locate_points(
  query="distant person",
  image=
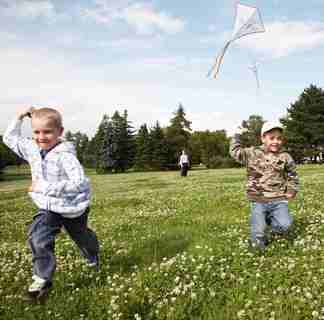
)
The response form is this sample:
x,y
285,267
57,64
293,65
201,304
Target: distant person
x,y
184,164
59,189
271,181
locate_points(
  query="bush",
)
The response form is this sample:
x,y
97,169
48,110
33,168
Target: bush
x,y
222,163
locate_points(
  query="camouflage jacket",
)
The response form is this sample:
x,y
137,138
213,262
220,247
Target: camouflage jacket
x,y
269,175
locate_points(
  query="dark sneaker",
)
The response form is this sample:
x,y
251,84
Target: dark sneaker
x,y
94,263
257,246
290,235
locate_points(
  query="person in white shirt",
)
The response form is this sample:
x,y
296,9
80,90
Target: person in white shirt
x,y
184,164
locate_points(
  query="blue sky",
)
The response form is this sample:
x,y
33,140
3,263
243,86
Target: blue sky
x,y
93,57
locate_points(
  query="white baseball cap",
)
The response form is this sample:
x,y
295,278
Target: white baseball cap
x,y
269,125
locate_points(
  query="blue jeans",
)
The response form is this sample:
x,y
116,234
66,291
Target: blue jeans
x,y
41,236
275,214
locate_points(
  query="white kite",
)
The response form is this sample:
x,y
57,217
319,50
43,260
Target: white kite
x,y
248,20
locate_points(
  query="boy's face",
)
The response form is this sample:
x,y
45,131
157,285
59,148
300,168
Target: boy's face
x,y
273,140
45,133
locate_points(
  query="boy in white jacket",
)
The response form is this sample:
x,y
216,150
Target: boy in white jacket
x,y
59,189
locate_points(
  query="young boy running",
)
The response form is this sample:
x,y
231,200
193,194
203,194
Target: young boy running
x,y
271,181
59,189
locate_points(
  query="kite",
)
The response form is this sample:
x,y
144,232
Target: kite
x,y
254,69
248,20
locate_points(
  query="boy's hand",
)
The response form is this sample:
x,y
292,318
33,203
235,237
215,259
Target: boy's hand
x,y
27,113
290,195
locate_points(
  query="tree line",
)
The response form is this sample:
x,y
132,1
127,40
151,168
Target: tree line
x,y
117,147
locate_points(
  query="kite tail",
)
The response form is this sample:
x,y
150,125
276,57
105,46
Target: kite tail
x,y
215,68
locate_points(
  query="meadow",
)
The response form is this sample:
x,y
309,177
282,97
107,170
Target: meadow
x,y
171,248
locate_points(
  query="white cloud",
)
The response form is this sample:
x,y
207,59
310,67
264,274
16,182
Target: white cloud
x,y
7,36
212,28
143,17
43,78
205,120
285,37
128,43
29,9
39,77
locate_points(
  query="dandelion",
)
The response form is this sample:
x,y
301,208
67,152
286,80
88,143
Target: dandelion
x,y
308,295
241,313
212,293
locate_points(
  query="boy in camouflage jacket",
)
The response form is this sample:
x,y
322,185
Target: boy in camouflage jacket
x,y
271,181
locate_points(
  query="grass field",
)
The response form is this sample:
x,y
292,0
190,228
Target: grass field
x,y
171,248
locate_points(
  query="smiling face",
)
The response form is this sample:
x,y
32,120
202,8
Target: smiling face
x,y
45,132
273,140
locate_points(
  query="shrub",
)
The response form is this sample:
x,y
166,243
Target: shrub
x,y
222,162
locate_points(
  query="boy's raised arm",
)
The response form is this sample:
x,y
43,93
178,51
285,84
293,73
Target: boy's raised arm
x,y
13,138
237,152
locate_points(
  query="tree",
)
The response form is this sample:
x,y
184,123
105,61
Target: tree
x,y
304,124
123,140
177,135
8,157
102,145
80,142
143,157
69,136
253,136
3,155
108,147
210,148
159,147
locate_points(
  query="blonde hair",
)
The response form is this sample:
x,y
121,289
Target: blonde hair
x,y
49,114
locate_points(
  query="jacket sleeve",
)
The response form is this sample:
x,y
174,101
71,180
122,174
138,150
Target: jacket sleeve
x,y
75,183
292,176
15,141
237,152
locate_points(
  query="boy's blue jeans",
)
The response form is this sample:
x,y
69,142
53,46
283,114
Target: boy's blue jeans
x,y
275,213
41,236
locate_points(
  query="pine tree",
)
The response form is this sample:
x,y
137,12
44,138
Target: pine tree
x,y
103,143
89,156
108,148
304,124
80,142
178,135
129,140
123,141
143,157
159,147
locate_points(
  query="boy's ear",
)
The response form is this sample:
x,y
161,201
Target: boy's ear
x,y
61,131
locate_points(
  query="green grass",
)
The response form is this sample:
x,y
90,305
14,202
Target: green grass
x,y
171,248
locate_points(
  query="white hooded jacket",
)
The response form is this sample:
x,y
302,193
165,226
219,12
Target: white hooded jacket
x,y
61,185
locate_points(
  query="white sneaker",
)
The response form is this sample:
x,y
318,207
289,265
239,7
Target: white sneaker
x,y
37,285
38,290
